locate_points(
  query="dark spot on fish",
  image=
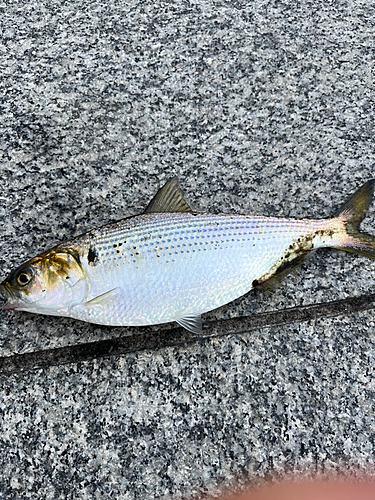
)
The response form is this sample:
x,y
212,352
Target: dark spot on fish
x,y
114,245
325,232
119,244
117,251
66,277
92,256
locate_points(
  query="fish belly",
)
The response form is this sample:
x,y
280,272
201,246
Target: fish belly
x,y
156,268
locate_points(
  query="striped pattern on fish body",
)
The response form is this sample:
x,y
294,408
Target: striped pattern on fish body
x,y
170,264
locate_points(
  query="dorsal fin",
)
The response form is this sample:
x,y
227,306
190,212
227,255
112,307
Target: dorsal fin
x,y
168,199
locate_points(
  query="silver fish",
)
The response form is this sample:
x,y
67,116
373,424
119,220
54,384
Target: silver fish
x,y
171,264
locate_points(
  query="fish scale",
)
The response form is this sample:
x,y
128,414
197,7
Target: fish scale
x,y
171,264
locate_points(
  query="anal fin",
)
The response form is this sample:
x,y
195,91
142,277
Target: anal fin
x,y
274,281
192,322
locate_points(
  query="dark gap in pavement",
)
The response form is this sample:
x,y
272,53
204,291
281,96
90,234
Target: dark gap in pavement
x,y
179,336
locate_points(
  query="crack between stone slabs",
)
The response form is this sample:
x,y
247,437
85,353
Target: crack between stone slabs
x,y
174,337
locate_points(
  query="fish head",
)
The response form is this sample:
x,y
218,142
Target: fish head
x,y
51,283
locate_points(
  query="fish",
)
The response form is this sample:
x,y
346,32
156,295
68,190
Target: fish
x,y
171,264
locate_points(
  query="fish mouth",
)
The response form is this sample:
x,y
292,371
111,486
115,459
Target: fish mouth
x,y
9,306
15,305
4,293
11,303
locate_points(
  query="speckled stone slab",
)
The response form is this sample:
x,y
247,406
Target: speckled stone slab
x,y
181,421
258,107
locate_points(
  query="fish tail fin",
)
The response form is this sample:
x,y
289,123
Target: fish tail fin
x,y
352,214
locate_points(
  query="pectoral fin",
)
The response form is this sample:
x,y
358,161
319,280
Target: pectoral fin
x,y
103,299
191,322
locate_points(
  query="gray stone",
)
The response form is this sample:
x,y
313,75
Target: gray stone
x,y
264,108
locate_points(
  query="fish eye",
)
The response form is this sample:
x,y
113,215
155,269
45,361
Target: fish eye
x,y
24,277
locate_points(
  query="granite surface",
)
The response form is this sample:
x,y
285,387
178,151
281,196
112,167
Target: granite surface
x,y
263,107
